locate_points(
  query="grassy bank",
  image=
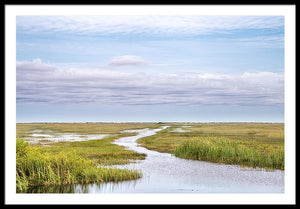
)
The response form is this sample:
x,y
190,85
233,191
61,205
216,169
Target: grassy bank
x,y
101,152
62,163
247,144
38,167
224,150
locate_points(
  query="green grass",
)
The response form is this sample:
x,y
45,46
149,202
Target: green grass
x,y
36,167
257,144
224,150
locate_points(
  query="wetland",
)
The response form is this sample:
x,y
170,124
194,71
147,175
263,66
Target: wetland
x,y
150,158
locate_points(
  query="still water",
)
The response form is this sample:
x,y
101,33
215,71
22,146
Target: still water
x,y
165,173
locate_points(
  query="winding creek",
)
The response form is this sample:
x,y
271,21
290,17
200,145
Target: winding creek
x,y
165,173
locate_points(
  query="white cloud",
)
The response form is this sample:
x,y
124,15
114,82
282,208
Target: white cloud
x,y
39,82
145,24
127,60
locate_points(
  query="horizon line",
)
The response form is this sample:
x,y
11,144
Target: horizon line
x,y
159,122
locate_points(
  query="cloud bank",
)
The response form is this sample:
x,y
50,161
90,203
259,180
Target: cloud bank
x,y
38,82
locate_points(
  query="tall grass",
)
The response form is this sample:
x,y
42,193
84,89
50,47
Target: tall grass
x,y
224,150
35,168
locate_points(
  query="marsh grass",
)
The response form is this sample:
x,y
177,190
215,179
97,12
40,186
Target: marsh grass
x,y
40,168
66,162
224,150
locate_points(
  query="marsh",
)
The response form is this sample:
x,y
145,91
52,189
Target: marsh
x,y
148,151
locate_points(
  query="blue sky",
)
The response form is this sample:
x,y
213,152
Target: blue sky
x,y
150,68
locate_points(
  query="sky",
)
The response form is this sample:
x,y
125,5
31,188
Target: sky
x,y
150,68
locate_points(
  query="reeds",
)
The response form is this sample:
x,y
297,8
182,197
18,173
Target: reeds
x,y
224,150
36,168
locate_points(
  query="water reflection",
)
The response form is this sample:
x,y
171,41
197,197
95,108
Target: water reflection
x,y
52,189
108,187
